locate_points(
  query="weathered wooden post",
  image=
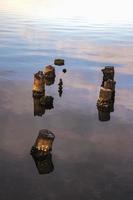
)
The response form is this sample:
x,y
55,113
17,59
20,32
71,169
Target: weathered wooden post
x,y
105,103
38,86
43,143
49,74
103,110
110,84
41,151
108,73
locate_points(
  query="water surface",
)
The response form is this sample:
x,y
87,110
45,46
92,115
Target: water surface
x,y
92,159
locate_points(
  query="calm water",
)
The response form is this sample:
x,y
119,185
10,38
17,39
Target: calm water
x,y
92,160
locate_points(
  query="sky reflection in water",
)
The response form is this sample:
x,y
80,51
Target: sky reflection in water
x,y
92,159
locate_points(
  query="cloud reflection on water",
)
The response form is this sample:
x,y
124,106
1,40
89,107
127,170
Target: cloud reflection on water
x,y
99,51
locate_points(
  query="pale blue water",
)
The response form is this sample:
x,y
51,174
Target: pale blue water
x,y
92,159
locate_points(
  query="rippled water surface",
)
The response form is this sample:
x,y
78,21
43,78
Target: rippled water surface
x,y
92,160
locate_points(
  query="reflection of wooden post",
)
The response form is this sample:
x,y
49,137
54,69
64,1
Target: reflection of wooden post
x,y
104,116
44,164
60,89
39,110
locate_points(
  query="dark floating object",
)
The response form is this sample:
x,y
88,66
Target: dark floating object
x,y
38,86
60,82
59,62
105,103
64,70
60,93
43,143
41,151
44,164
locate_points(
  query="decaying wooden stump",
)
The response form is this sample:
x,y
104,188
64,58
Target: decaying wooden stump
x,y
109,84
105,94
108,73
49,74
43,143
38,86
105,103
49,71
